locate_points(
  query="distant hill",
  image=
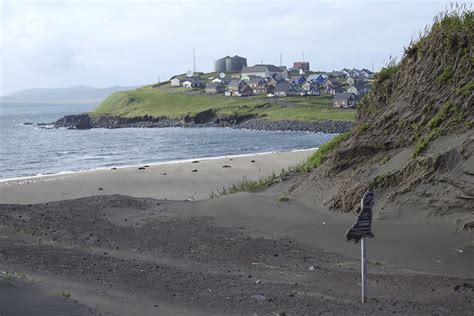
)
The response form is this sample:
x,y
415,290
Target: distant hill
x,y
77,94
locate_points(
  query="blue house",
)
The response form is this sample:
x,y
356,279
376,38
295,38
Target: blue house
x,y
297,80
317,79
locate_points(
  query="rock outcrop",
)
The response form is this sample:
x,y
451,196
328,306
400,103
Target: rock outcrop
x,y
83,121
78,121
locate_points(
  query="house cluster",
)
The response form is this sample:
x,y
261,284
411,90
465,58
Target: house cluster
x,y
236,79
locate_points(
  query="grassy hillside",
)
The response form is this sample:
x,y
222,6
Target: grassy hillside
x,y
175,103
413,139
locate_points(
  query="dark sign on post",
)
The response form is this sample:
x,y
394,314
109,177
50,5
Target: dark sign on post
x,y
362,228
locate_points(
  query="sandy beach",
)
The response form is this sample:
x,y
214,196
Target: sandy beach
x,y
149,244
193,179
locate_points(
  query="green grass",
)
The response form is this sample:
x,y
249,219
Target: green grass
x,y
9,275
446,75
317,158
263,183
283,198
247,185
175,103
467,89
387,72
444,111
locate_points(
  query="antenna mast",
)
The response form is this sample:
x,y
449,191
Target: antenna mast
x,y
194,60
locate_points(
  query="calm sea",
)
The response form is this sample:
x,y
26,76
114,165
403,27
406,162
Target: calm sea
x,y
26,150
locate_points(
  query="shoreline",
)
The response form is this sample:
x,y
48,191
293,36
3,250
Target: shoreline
x,y
190,179
85,121
151,164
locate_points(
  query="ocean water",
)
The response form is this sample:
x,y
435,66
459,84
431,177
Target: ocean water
x,y
26,150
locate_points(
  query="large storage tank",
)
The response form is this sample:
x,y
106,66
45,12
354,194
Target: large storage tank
x,y
236,63
230,64
220,64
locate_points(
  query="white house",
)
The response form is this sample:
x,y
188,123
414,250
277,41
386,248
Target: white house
x,y
187,84
352,89
175,82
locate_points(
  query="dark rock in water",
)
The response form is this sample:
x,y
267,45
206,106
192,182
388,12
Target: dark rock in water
x,y
78,121
141,168
252,160
27,123
226,166
194,170
100,189
196,161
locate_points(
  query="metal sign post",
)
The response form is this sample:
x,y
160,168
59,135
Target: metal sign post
x,y
363,269
361,230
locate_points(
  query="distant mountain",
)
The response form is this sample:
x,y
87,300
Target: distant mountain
x,y
73,95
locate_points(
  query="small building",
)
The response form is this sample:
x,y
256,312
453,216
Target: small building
x,y
367,73
272,82
347,72
264,71
307,85
352,89
282,90
297,80
303,65
317,79
332,86
214,88
225,81
238,88
344,100
350,80
193,83
259,85
175,82
314,91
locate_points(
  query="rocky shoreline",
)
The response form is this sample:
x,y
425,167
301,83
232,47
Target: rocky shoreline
x,y
84,121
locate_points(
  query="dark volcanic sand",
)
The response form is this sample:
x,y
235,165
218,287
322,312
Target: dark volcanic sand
x,y
127,256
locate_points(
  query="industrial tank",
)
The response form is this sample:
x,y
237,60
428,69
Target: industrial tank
x,y
220,64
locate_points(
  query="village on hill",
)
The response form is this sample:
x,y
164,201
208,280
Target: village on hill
x,y
233,78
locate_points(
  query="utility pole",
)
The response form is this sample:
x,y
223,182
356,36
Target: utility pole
x,y
194,60
281,64
372,66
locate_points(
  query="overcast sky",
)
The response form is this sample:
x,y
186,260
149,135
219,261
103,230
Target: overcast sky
x,y
103,43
